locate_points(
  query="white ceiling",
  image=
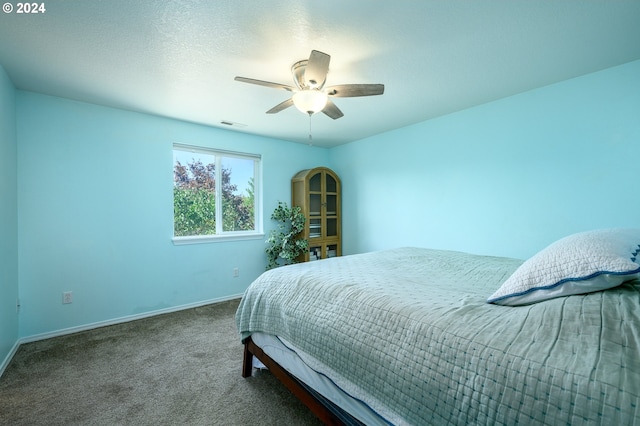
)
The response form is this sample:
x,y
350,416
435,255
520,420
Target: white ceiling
x,y
179,58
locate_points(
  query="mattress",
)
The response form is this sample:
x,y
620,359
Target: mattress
x,y
409,333
292,359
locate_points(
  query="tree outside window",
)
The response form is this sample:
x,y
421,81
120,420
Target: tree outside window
x,y
201,206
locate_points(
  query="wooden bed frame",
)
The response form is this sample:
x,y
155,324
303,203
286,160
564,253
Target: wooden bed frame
x,y
328,413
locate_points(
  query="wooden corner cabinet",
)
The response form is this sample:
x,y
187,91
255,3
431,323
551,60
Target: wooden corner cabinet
x,y
317,193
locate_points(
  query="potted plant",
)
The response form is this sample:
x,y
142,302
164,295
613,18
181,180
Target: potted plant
x,y
283,246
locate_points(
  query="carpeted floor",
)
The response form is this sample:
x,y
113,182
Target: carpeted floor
x,y
182,368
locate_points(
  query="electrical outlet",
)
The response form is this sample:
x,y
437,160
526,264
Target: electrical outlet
x,y
67,297
236,272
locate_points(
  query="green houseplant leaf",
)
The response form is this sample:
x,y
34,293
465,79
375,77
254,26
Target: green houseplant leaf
x,y
283,244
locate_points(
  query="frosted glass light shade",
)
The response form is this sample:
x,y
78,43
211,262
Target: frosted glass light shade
x,y
310,101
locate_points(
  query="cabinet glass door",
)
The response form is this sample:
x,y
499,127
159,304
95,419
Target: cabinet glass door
x,y
331,184
315,204
315,228
315,207
315,182
315,253
331,206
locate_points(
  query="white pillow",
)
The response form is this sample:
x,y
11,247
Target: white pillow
x,y
580,263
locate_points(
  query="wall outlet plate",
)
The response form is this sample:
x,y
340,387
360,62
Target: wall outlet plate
x,y
67,297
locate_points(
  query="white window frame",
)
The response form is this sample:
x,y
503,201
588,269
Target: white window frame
x,y
221,235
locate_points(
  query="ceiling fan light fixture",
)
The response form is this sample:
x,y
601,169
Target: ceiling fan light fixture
x,y
309,76
310,101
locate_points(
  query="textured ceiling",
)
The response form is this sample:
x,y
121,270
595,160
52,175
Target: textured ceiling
x,y
179,58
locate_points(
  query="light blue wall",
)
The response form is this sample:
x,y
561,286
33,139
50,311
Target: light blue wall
x,y
96,213
505,178
94,193
8,219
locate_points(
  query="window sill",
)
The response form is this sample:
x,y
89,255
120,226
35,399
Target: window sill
x,y
203,239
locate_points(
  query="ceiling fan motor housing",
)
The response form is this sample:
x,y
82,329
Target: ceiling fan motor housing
x,y
298,70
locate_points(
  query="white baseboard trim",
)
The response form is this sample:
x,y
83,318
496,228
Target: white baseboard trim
x,y
71,330
9,357
86,327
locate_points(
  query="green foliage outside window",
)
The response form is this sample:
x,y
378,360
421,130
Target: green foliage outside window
x,y
194,201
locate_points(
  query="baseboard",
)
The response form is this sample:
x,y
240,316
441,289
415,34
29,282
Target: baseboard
x,y
86,327
9,357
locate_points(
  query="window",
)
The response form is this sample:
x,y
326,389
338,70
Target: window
x,y
205,211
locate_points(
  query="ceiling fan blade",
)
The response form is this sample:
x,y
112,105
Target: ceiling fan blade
x,y
354,90
317,68
332,110
282,105
265,83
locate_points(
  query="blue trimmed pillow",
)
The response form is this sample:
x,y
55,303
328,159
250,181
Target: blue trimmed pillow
x,y
577,264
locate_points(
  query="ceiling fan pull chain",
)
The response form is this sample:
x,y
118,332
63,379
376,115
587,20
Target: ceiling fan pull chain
x,y
310,137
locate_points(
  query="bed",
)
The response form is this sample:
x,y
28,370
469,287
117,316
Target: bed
x,y
421,336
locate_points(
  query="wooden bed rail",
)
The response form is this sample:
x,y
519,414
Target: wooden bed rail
x,y
318,408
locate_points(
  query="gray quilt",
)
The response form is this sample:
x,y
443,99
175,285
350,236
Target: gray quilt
x,y
408,331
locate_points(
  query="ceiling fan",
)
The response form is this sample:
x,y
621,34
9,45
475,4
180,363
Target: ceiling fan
x,y
309,94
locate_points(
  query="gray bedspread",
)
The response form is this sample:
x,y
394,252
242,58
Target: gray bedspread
x,y
408,331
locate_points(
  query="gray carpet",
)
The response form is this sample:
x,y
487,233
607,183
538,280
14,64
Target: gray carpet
x,y
172,369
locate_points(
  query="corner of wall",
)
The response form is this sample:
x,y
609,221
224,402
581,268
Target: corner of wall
x,y
8,221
